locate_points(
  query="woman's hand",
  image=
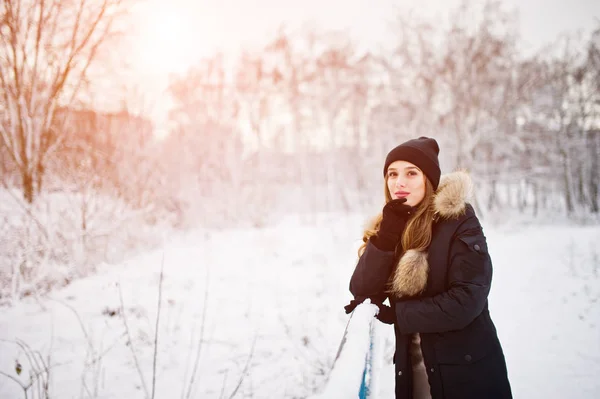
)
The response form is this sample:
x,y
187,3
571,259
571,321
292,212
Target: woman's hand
x,y
353,304
386,314
395,215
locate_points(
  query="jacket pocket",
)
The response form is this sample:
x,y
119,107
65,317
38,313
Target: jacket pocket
x,y
463,354
466,346
475,243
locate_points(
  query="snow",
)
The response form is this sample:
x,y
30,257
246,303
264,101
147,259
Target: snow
x,y
347,372
263,308
64,235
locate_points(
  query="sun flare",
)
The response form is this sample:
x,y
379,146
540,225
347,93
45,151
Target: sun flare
x,y
167,40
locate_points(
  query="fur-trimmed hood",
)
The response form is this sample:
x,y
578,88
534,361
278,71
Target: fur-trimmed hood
x,y
453,194
450,201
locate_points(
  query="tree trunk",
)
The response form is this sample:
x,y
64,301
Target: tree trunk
x,y
536,197
567,181
521,195
39,177
581,197
493,195
594,170
27,181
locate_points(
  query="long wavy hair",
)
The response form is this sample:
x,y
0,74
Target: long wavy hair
x,y
418,230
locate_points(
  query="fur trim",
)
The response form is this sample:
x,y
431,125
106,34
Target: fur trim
x,y
451,197
410,276
450,201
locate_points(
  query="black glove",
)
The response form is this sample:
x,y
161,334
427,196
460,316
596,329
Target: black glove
x,y
386,314
376,300
395,215
354,303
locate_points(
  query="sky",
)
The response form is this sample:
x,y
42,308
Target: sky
x,y
190,29
172,36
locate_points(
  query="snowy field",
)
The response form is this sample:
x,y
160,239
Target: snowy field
x,y
259,313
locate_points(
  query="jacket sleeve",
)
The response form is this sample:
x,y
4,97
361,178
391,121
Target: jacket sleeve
x,y
372,272
469,281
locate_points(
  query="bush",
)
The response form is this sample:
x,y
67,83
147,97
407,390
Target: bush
x,y
64,235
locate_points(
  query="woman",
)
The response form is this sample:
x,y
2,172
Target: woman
x,y
427,253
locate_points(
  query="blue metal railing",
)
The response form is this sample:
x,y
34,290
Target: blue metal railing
x,y
365,384
351,374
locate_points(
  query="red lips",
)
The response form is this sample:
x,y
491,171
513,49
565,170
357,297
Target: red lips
x,y
401,194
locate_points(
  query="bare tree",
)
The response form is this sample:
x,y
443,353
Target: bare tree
x,y
205,136
590,90
474,75
47,48
458,84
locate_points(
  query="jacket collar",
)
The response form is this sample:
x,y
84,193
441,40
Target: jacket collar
x,y
410,275
452,195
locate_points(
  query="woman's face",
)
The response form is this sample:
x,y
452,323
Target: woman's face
x,y
405,180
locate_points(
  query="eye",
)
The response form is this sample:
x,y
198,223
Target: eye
x,y
412,173
392,174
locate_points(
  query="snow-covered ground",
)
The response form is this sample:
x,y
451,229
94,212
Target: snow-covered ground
x,y
259,313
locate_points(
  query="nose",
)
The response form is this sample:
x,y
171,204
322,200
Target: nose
x,y
399,182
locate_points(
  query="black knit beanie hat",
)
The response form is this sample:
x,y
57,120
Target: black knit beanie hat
x,y
423,153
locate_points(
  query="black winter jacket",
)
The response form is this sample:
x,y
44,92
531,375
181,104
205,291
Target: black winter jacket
x,y
460,347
